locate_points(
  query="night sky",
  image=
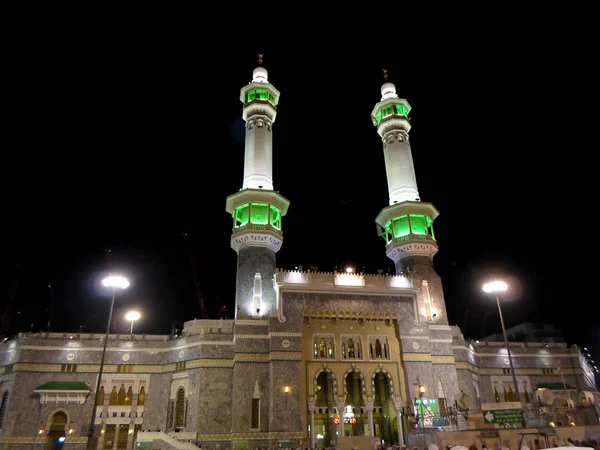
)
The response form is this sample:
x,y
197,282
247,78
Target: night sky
x,y
126,144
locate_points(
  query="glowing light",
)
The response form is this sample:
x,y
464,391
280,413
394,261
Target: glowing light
x,y
349,279
41,432
71,431
349,270
116,281
349,413
61,439
286,389
422,389
495,286
399,281
320,436
133,315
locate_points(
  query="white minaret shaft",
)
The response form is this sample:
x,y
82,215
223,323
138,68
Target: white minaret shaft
x,y
258,162
393,129
400,170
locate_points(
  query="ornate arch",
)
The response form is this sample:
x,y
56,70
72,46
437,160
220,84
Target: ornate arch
x,y
329,372
363,392
57,410
390,381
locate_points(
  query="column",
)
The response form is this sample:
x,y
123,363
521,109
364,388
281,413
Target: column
x,y
371,427
400,422
340,407
130,434
311,415
101,436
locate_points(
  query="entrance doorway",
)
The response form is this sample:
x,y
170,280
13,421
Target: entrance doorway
x,y
57,432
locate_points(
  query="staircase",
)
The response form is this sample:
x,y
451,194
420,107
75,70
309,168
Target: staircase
x,y
161,441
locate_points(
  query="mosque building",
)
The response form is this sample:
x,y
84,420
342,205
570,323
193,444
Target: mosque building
x,y
310,357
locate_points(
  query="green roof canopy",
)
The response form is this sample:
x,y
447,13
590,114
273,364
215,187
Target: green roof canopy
x,y
63,386
555,386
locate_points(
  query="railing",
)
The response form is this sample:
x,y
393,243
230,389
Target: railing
x,y
324,279
145,437
254,226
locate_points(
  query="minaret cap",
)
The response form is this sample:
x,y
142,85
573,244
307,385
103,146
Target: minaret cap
x,y
260,75
388,90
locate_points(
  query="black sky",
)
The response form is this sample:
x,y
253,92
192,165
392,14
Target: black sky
x,y
127,142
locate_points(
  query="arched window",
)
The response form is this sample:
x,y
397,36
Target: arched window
x,y
371,350
358,350
255,413
343,350
3,407
121,396
350,348
315,350
100,399
330,350
59,418
322,349
57,428
180,408
142,397
113,397
385,351
377,349
129,397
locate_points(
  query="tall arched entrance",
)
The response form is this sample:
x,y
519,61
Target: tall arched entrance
x,y
353,416
325,428
385,421
57,431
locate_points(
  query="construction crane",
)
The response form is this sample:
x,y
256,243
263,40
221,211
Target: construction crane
x,y
194,265
6,322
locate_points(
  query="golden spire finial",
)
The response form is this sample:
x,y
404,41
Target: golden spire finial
x,y
260,56
385,74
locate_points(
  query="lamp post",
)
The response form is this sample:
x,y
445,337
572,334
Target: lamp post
x,y
132,316
494,287
114,282
421,388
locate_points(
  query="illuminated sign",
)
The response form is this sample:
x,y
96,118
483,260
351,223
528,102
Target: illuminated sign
x,y
350,420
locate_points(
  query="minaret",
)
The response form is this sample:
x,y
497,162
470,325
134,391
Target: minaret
x,y
407,227
257,210
407,224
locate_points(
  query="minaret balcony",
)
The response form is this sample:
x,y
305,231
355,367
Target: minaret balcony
x,y
255,226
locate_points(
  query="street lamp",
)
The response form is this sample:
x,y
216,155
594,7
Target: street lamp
x,y
495,287
132,316
113,282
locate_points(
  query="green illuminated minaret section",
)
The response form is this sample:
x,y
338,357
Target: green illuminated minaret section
x,y
407,223
257,210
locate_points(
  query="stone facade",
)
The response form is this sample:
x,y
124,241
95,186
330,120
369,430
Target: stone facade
x,y
223,367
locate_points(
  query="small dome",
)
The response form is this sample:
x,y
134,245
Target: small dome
x,y
260,75
388,90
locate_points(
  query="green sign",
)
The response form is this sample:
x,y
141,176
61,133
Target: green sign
x,y
143,444
514,415
240,445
